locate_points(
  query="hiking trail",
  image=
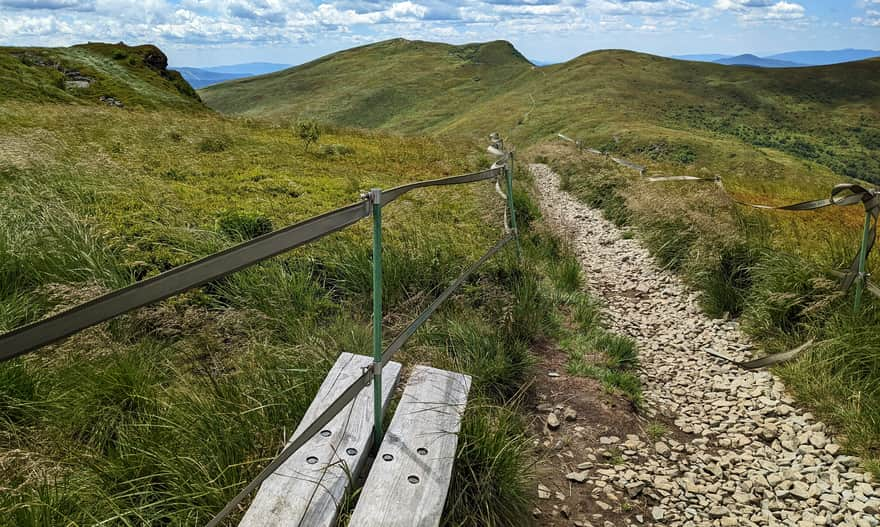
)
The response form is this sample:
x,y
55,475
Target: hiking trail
x,y
738,450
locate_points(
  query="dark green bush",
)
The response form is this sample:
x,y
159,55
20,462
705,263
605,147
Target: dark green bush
x,y
335,150
243,225
214,144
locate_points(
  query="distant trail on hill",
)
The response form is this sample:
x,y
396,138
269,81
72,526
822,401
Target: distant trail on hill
x,y
750,457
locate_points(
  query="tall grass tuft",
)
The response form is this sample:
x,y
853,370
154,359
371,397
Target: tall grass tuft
x,y
491,484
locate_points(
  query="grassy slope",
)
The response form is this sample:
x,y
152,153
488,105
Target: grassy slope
x,y
161,416
776,136
405,85
826,116
135,76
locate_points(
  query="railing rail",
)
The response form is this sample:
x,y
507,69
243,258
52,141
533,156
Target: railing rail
x,y
180,279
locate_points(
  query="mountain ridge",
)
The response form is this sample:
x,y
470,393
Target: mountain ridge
x,y
421,87
757,62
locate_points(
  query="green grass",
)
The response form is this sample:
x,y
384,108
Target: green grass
x,y
162,415
406,85
738,122
770,269
136,76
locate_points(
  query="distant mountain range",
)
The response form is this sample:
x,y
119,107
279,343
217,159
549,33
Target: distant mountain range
x,y
753,60
201,77
791,59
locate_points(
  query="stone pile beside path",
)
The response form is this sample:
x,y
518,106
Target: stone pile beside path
x,y
751,457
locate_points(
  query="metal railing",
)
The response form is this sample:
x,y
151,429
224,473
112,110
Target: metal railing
x,y
180,279
842,195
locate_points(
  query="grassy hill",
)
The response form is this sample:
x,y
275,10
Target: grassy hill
x,y
94,73
775,136
624,101
404,85
161,416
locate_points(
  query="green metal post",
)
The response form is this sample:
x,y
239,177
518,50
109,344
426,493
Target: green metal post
x,y
376,198
863,256
509,170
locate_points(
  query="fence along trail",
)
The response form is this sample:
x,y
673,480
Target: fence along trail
x,y
751,457
52,329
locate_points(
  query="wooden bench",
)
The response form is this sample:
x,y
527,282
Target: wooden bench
x,y
307,490
409,480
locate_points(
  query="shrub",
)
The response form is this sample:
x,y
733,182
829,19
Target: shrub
x,y
243,225
214,144
335,150
308,132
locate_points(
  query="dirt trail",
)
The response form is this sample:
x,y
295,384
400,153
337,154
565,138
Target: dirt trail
x,y
736,451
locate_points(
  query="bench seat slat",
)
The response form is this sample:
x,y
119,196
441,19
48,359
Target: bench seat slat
x,y
409,480
309,487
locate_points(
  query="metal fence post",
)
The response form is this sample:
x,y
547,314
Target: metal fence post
x,y
509,169
863,256
376,199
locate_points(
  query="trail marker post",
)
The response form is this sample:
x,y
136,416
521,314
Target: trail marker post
x,y
376,200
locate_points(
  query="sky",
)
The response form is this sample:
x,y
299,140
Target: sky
x,y
214,32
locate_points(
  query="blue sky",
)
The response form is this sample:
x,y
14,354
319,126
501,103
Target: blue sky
x,y
211,32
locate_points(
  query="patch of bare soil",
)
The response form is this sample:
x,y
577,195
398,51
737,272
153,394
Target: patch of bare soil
x,y
595,430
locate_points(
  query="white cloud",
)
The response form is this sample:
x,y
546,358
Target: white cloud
x,y
764,11
871,17
642,7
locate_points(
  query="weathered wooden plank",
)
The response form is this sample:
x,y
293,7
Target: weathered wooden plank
x,y
308,488
409,480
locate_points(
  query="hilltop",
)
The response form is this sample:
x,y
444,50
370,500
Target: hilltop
x,y
634,103
94,73
412,86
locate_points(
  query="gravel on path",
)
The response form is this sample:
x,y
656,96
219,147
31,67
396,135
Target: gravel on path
x,y
755,457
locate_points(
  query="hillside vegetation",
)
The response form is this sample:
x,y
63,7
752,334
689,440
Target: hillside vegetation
x,y
161,416
623,101
775,136
94,73
404,85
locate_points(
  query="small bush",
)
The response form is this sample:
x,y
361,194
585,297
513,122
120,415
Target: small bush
x,y
335,150
244,225
214,144
308,132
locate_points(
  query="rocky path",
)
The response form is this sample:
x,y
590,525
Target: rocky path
x,y
744,453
